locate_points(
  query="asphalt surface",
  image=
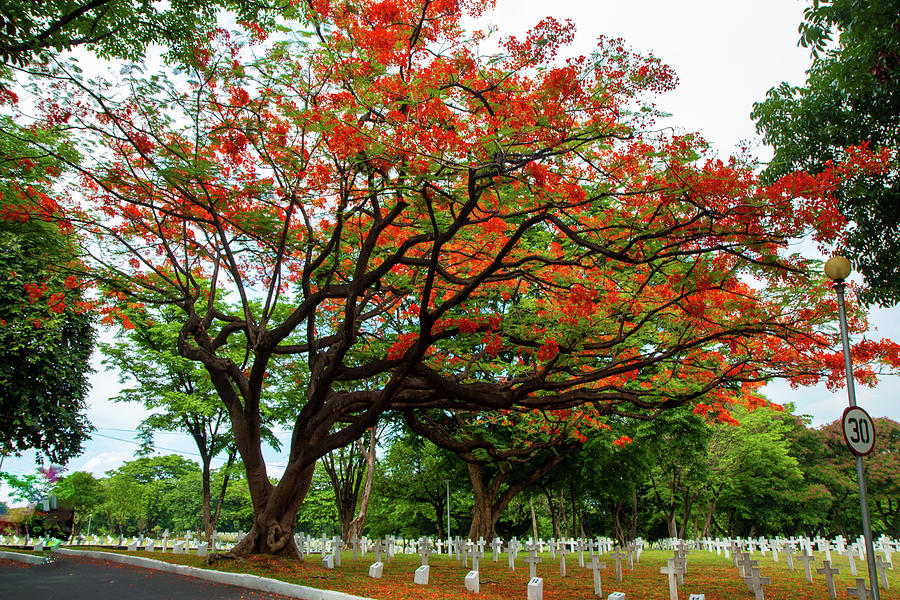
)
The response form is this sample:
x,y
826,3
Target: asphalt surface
x,y
72,578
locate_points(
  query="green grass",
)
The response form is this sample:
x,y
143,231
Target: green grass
x,y
707,573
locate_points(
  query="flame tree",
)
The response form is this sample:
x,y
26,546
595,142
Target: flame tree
x,y
410,222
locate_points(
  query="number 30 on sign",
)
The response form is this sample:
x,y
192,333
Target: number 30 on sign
x,y
859,430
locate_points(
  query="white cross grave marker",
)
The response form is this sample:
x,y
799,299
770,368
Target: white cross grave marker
x,y
860,591
806,559
618,556
424,550
596,566
882,568
670,571
755,582
829,573
533,559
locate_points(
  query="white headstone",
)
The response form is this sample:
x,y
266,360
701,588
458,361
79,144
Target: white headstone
x,y
472,583
495,546
421,576
424,550
376,570
328,562
202,549
536,589
616,596
618,556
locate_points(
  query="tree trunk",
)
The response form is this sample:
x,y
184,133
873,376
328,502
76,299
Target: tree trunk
x,y
554,520
707,524
275,514
357,524
490,503
686,516
225,478
484,519
207,494
574,508
617,519
668,509
534,527
632,534
484,513
562,513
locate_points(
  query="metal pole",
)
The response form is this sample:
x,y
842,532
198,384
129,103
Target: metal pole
x,y
860,471
447,481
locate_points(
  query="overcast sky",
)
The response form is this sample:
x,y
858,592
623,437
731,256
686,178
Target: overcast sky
x,y
726,54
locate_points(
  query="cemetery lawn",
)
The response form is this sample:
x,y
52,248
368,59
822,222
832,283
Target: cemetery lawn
x,y
707,573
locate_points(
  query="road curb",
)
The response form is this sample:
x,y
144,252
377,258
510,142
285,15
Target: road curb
x,y
22,557
254,582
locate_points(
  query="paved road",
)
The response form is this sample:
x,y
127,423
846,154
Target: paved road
x,y
70,578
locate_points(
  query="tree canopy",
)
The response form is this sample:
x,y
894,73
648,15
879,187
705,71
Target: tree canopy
x,y
410,223
851,97
115,28
46,339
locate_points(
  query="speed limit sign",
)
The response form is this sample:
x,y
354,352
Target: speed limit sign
x,y
858,430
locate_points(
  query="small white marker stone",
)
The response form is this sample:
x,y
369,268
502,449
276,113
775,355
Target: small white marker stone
x,y
421,576
472,582
536,589
376,570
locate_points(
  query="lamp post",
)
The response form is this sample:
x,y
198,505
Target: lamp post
x,y
838,269
447,483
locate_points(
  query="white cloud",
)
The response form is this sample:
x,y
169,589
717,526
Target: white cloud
x,y
98,464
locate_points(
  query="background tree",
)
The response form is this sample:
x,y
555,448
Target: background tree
x,y
179,395
612,476
411,489
423,228
46,339
319,512
679,441
352,473
84,493
504,454
882,476
823,483
851,97
157,477
754,480
115,28
125,505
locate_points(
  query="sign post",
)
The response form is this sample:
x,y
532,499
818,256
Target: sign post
x,y
859,431
856,424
